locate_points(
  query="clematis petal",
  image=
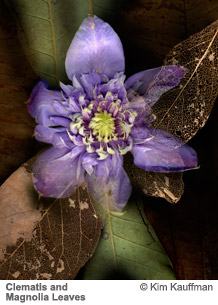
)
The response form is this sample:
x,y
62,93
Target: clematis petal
x,y
55,176
95,48
112,195
41,103
89,160
61,121
140,135
162,152
45,134
89,81
102,170
115,85
153,83
60,109
67,89
140,81
61,140
109,168
56,136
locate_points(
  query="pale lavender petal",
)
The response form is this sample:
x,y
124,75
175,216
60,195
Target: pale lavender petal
x,y
116,165
74,104
45,134
56,136
60,109
168,78
102,170
76,82
162,152
67,89
89,82
95,48
109,168
41,102
62,140
115,85
73,154
135,102
140,135
153,83
61,121
89,160
140,81
53,176
112,195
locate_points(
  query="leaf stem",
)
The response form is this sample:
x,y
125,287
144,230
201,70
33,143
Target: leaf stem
x,y
111,233
90,8
54,41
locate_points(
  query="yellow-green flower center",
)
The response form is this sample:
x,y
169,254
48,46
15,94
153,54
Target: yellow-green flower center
x,y
103,126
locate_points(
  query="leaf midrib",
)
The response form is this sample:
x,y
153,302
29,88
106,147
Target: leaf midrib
x,y
54,41
113,236
132,242
140,264
111,231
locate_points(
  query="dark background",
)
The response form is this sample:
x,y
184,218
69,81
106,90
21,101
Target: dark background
x,y
148,29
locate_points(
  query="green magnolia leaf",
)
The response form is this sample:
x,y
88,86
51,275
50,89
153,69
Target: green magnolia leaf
x,y
129,248
46,28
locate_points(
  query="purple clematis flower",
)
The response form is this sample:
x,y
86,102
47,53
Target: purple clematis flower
x,y
98,119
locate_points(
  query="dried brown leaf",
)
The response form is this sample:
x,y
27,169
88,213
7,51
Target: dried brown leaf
x,y
43,238
153,28
16,81
165,185
185,109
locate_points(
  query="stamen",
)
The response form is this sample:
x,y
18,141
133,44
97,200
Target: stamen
x,y
124,150
102,120
90,149
102,154
103,126
110,150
